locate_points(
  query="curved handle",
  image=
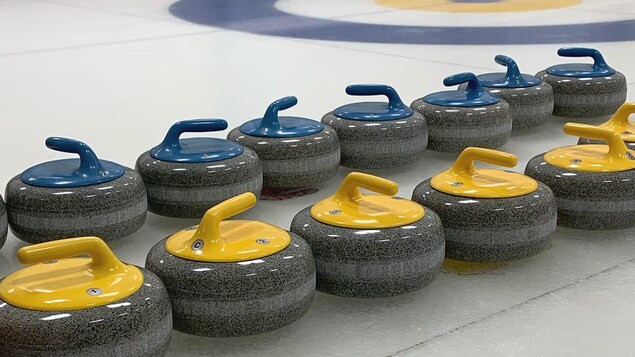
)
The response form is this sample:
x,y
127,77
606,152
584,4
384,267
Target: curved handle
x,y
617,147
103,258
513,74
209,228
464,164
270,119
394,101
598,60
474,89
171,139
620,118
89,164
349,189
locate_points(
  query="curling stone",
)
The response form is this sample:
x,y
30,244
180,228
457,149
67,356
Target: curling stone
x,y
4,225
618,123
530,99
63,305
376,135
489,215
75,197
465,117
371,245
185,177
584,90
234,278
294,152
593,183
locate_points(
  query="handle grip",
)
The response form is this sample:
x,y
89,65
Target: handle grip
x,y
191,126
613,139
270,119
464,164
89,163
598,60
349,189
513,74
209,228
620,118
103,258
376,89
474,88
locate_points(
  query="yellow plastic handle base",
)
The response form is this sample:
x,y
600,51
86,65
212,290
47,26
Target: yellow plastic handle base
x,y
350,208
620,124
217,240
58,281
612,157
463,179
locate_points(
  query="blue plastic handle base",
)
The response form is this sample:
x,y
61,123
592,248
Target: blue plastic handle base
x,y
374,111
599,67
473,96
196,150
511,79
85,171
273,126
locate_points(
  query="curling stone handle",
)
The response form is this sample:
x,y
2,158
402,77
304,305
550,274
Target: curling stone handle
x,y
617,148
598,60
620,118
171,139
270,119
394,101
89,164
209,228
513,74
474,89
349,189
464,164
103,259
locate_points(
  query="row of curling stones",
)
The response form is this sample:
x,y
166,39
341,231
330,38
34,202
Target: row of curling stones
x,y
593,183
233,277
65,304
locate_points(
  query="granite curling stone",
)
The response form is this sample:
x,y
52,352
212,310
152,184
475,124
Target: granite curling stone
x,y
489,215
4,225
620,124
75,197
583,90
234,278
185,177
371,245
466,117
64,305
530,99
376,135
294,152
593,183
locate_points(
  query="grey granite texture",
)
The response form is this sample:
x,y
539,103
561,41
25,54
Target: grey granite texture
x,y
237,299
492,229
138,325
529,107
4,225
452,129
586,97
299,162
373,262
588,200
107,210
585,141
381,143
188,190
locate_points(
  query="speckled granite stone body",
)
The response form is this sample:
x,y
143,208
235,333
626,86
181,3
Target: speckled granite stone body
x,y
373,262
4,225
237,299
138,325
585,141
188,190
289,163
380,143
452,129
529,107
588,200
108,210
492,229
586,97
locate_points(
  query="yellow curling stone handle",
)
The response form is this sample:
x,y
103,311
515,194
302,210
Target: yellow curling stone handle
x,y
57,279
350,208
620,124
218,240
611,157
463,179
